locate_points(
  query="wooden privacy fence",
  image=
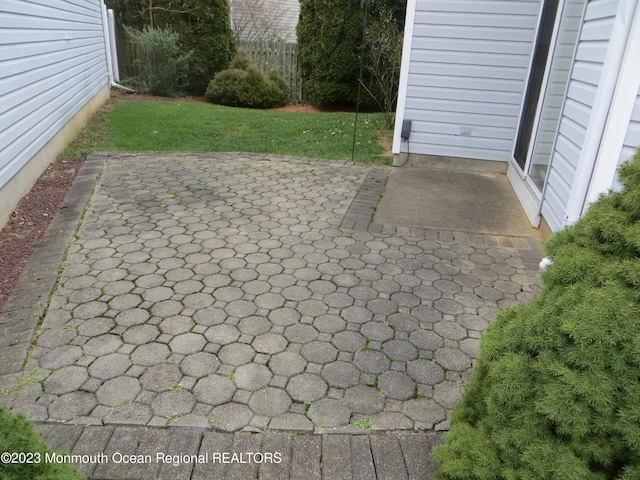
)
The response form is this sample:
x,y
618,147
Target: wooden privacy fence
x,y
128,53
267,55
281,56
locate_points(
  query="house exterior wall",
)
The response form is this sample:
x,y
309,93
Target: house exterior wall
x,y
632,138
468,63
257,18
52,64
590,56
598,129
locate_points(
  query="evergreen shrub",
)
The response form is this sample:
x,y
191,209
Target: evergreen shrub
x,y
556,388
244,85
163,64
18,435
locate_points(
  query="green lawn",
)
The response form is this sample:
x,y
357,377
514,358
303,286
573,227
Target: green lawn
x,y
196,126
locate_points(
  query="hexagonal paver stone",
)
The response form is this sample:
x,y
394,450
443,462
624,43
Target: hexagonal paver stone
x,y
118,390
269,343
287,364
134,316
168,308
252,376
157,294
426,340
66,380
160,378
187,343
270,402
471,347
371,361
348,341
102,345
169,403
125,302
403,322
230,417
424,411
357,315
200,364
391,421
306,387
222,334
269,301
312,308
376,331
240,309
450,330
150,354
61,357
90,310
129,414
329,324
447,394
319,352
109,366
291,422
426,372
398,385
329,412
452,359
176,325
254,325
72,405
56,337
364,400
214,390
340,374
284,316
95,327
399,350
141,334
300,333
236,354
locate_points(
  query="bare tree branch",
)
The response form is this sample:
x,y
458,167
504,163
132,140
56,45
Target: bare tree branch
x,y
258,20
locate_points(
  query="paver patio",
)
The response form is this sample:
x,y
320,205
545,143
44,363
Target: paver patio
x,y
246,292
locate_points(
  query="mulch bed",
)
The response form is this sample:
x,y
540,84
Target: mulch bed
x,y
29,221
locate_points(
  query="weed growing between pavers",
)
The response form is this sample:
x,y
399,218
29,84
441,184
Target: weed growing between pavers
x,y
556,393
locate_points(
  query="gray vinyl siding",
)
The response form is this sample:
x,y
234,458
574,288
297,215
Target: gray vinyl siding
x,y
468,65
583,85
52,62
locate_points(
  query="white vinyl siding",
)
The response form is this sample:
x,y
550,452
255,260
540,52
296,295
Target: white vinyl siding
x,y
583,85
52,62
468,65
256,18
632,139
565,44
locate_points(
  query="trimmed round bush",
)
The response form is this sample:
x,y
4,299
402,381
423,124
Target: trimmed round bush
x,y
244,85
556,390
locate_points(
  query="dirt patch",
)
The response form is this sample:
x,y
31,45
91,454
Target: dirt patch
x,y
29,221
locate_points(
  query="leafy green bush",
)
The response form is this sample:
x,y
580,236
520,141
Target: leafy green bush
x,y
163,65
556,393
244,85
330,36
18,435
329,40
